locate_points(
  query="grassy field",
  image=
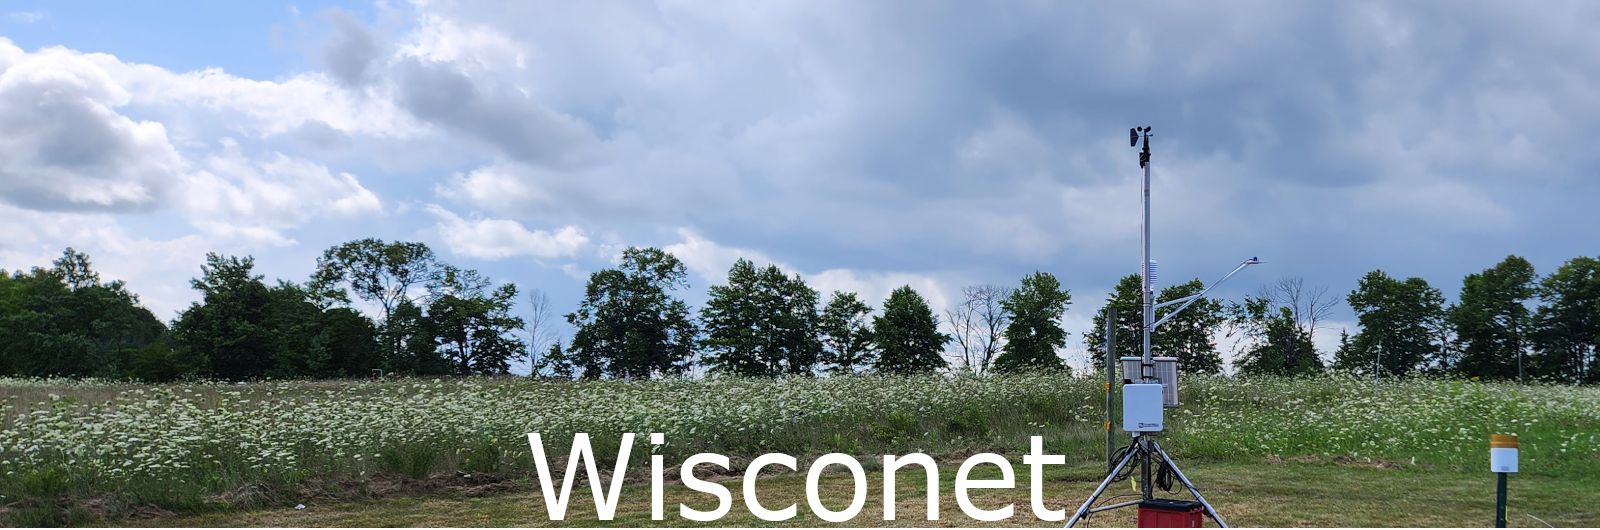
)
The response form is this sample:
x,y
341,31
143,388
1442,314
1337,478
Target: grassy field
x,y
87,452
1288,493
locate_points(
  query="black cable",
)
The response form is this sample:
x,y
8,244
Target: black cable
x,y
1165,478
1127,471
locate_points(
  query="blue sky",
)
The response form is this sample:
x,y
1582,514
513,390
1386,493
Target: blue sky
x,y
862,145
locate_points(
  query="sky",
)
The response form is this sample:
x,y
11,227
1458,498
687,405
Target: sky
x,y
862,145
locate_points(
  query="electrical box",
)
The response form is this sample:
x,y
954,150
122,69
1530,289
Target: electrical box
x,y
1166,372
1142,409
1167,513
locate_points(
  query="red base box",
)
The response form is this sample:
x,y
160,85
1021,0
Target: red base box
x,y
1166,513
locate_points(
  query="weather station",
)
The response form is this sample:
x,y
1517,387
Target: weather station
x,y
1150,387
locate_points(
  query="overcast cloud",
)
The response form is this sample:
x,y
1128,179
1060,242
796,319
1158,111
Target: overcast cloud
x,y
863,145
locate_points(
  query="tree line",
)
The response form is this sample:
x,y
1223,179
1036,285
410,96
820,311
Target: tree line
x,y
1508,323
764,323
427,317
433,319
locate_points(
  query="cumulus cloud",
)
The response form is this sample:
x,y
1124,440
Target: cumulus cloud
x,y
156,269
497,114
236,196
880,146
351,53
503,238
62,144
711,261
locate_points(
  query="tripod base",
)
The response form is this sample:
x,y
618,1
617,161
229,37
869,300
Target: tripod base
x,y
1139,451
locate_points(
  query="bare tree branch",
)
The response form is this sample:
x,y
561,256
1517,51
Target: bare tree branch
x,y
992,319
1310,305
541,332
960,318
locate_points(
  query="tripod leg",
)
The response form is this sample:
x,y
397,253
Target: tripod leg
x,y
1097,491
1211,511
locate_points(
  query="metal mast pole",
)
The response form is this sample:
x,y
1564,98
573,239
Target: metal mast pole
x,y
1146,365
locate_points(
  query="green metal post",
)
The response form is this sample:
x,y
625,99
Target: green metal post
x,y
1500,504
1111,371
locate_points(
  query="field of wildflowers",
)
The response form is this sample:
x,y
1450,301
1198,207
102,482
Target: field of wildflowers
x,y
191,446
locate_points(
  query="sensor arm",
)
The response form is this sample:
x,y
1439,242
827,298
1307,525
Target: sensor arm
x,y
1189,300
1178,301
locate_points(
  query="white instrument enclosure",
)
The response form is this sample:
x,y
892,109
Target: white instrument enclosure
x,y
1142,409
1503,459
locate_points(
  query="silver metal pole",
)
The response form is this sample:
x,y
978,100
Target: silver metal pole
x,y
1147,370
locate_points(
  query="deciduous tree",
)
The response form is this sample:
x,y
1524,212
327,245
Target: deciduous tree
x,y
1492,320
845,329
1400,326
1568,322
762,324
1035,329
629,324
907,335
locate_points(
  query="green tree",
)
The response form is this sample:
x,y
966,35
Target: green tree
x,y
227,329
1568,322
388,274
411,346
907,335
351,340
242,329
845,327
1492,321
1187,335
628,323
156,362
298,344
1128,304
473,324
556,360
63,321
1401,326
1035,329
762,324
1283,347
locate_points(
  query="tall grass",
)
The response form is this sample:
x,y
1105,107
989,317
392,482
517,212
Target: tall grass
x,y
185,446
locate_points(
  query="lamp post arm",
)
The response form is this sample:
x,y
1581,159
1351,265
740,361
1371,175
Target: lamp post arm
x,y
1190,300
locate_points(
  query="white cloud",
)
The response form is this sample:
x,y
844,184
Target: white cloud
x,y
498,187
504,238
711,262
239,197
156,270
63,147
29,17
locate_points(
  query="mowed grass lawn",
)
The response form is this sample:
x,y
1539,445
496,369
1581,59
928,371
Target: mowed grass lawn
x,y
1248,494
